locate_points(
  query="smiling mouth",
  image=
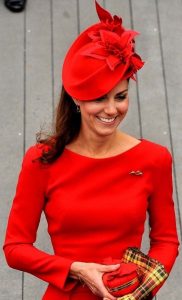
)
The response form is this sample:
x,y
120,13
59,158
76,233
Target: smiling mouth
x,y
106,120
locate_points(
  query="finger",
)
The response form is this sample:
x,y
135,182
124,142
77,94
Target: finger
x,y
109,268
102,291
109,296
93,288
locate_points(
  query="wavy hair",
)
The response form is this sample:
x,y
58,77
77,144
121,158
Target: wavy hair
x,y
65,129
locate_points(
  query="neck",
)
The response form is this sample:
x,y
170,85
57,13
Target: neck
x,y
97,145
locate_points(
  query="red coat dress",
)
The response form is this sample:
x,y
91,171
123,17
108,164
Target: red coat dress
x,y
95,208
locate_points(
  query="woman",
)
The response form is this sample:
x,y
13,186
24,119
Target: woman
x,y
94,182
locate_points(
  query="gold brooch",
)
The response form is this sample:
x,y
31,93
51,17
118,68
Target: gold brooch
x,y
136,173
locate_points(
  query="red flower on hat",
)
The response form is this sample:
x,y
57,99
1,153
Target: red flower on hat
x,y
113,24
108,22
113,43
115,49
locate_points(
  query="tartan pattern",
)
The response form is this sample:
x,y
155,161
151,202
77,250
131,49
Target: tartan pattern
x,y
126,297
153,273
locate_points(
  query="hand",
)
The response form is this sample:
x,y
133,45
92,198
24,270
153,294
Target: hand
x,y
91,274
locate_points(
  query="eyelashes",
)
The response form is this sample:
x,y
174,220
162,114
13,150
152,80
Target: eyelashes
x,y
120,98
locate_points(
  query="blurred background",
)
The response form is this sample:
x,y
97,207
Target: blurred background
x,y
32,47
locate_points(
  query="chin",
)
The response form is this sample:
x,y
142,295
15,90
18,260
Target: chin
x,y
106,132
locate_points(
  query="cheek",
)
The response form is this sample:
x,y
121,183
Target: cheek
x,y
91,109
123,107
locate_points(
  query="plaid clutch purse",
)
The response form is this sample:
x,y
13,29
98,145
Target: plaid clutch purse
x,y
122,281
153,273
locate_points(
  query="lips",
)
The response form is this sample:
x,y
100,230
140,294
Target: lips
x,y
106,120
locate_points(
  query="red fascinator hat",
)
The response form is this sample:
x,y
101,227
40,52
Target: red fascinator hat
x,y
100,57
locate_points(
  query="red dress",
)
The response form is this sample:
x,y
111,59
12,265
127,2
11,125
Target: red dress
x,y
95,208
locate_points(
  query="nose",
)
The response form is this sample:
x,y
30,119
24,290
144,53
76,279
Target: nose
x,y
110,107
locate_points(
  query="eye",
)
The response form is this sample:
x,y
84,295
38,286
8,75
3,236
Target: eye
x,y
121,97
99,100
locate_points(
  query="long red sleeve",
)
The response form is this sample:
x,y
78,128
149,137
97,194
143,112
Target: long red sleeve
x,y
22,226
163,234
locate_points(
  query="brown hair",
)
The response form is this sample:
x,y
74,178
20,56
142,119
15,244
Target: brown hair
x,y
65,128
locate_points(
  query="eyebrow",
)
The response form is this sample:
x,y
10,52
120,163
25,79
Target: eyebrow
x,y
121,92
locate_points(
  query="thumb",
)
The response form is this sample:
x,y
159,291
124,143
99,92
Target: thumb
x,y
109,268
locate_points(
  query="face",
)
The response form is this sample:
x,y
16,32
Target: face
x,y
103,115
